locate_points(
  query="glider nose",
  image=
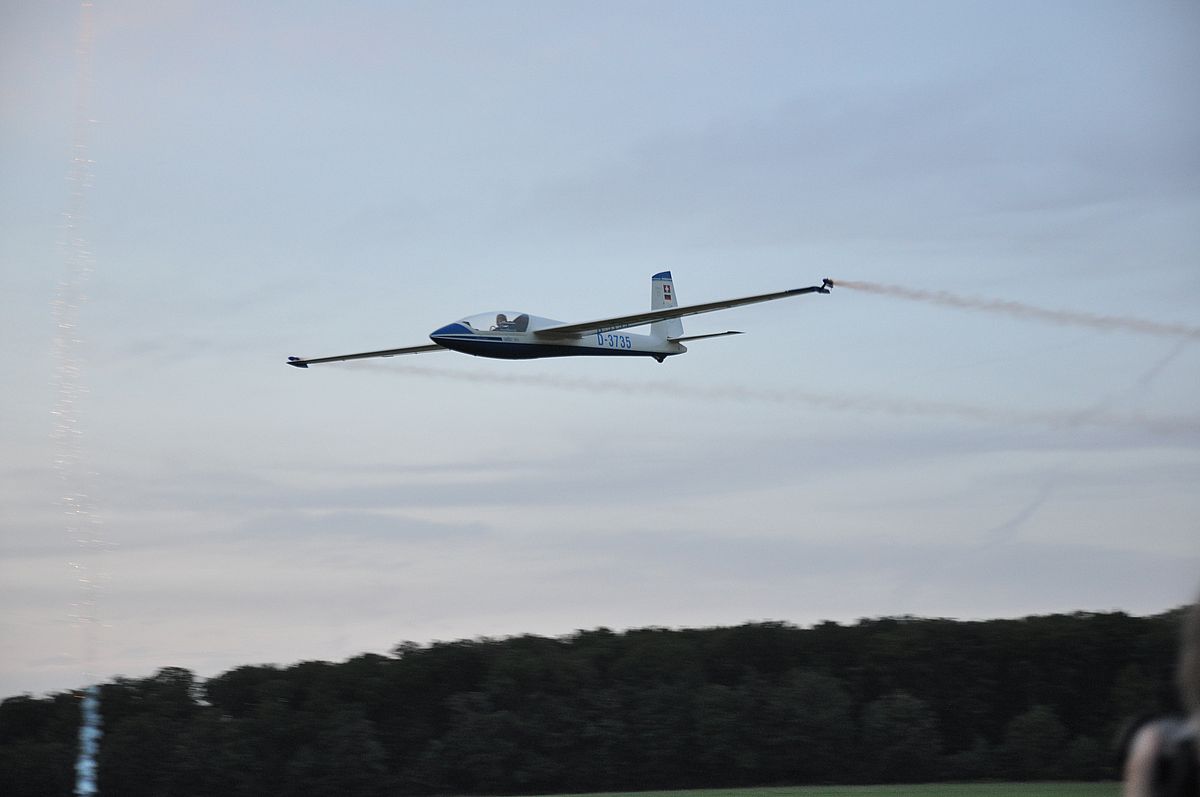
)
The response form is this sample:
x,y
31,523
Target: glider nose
x,y
448,330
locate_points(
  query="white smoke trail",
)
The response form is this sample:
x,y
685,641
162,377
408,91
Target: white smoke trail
x,y
1066,418
70,463
1028,311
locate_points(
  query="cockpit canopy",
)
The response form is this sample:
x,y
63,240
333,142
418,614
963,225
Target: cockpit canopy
x,y
506,321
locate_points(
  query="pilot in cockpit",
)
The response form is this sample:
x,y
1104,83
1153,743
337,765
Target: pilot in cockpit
x,y
518,324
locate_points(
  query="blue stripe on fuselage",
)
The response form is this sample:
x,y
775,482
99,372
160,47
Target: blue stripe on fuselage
x,y
451,329
499,350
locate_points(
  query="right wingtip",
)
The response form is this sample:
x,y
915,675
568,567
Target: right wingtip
x,y
297,362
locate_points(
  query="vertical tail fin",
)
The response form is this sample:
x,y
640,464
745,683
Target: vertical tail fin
x,y
662,295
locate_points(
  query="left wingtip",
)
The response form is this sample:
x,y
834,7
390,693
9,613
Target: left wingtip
x,y
297,362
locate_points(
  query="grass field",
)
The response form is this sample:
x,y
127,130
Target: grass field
x,y
1111,789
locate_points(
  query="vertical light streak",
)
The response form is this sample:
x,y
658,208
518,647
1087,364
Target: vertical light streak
x,y
70,462
89,744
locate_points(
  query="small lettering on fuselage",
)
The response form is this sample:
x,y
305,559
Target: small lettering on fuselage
x,y
610,341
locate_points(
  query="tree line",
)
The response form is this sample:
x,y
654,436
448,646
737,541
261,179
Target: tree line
x,y
882,700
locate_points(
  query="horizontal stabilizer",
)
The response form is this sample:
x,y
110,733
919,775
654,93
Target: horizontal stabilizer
x,y
702,337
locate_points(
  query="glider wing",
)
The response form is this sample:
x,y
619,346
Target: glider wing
x,y
301,362
638,319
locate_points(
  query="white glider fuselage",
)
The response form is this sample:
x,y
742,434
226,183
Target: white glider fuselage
x,y
514,336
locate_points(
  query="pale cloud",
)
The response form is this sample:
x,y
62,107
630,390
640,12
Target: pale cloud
x,y
349,180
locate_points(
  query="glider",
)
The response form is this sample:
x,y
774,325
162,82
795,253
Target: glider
x,y
521,336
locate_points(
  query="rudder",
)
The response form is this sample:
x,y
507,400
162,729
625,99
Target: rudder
x,y
662,295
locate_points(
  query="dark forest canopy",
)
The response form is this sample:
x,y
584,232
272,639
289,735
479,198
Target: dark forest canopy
x,y
893,699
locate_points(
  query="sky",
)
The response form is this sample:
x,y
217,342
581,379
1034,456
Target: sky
x,y
307,178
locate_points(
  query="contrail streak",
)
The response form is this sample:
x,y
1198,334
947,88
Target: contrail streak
x,y
1021,310
1067,418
